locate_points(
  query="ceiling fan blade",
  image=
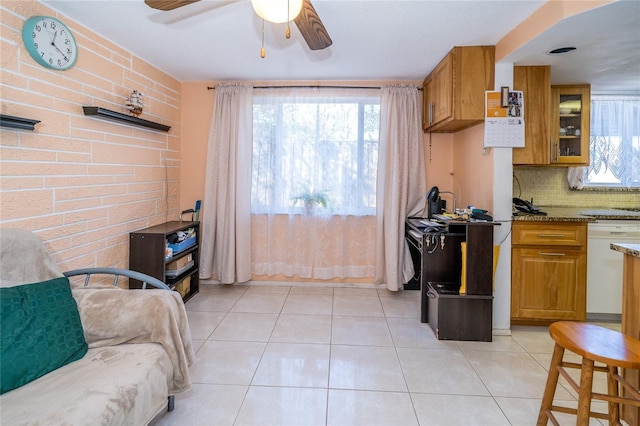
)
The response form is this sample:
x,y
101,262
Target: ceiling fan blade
x,y
312,28
168,4
169,17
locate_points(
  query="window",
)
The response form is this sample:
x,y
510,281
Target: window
x,y
615,142
318,142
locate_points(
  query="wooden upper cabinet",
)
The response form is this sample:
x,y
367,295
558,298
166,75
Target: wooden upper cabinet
x,y
427,101
535,83
454,90
571,124
442,106
556,120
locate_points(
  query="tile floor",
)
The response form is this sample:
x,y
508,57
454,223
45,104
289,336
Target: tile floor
x,y
269,355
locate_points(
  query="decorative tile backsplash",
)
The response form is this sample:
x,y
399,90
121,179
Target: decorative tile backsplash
x,y
548,186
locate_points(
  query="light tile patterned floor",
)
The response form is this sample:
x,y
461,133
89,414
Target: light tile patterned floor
x,y
269,355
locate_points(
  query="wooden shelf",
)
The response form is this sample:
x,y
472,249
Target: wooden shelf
x,y
107,114
17,122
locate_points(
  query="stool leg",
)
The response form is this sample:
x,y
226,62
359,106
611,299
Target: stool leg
x,y
552,382
584,397
612,388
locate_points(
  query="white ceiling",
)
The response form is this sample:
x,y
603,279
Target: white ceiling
x,y
372,40
608,49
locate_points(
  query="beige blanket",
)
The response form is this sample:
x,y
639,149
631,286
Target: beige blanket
x,y
24,259
113,316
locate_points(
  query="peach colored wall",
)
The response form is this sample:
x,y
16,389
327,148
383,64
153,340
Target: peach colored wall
x,y
457,159
197,108
438,160
80,183
473,168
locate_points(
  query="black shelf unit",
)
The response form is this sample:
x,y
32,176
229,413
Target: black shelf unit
x,y
465,316
147,255
14,122
107,114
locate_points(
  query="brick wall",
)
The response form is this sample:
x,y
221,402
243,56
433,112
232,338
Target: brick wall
x,y
80,183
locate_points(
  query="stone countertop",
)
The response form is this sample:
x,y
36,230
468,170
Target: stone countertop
x,y
555,214
577,214
629,249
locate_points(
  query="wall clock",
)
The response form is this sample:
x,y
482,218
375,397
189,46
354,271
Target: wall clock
x,y
49,42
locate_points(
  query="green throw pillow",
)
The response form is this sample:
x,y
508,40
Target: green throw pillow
x,y
41,331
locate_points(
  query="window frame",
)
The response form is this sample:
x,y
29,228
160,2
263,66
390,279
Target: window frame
x,y
362,101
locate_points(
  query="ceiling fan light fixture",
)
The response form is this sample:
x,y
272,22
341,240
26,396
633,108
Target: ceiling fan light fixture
x,y
277,11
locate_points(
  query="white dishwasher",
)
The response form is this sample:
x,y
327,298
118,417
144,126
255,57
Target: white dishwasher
x,y
604,266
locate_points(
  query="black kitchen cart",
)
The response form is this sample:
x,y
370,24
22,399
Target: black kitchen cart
x,y
437,257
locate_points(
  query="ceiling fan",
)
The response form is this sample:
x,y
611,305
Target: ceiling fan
x,y
307,21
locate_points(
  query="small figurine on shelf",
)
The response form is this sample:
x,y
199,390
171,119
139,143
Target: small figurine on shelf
x,y
134,103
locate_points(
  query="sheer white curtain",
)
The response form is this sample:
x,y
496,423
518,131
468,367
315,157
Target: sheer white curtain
x,y
401,180
615,141
226,219
314,175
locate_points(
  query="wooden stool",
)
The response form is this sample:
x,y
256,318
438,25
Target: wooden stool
x,y
593,343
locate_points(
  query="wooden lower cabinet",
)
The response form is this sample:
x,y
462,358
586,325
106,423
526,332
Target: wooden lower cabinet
x,y
548,277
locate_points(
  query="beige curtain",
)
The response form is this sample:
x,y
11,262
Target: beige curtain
x,y
226,217
401,180
314,246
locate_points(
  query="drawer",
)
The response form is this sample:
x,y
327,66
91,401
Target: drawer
x,y
550,234
454,317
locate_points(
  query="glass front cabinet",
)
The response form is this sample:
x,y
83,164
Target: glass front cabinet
x,y
571,114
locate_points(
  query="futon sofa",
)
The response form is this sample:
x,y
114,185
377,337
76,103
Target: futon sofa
x,y
79,355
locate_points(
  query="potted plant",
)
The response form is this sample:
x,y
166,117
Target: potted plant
x,y
311,198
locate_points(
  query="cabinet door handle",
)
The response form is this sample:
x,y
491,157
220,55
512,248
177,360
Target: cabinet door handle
x,y
543,253
551,235
430,112
556,150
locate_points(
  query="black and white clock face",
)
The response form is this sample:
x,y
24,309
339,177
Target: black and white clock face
x,y
49,42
